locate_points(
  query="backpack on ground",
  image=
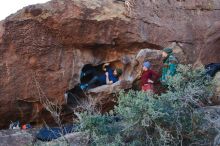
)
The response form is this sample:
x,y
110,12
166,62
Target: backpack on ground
x,y
212,69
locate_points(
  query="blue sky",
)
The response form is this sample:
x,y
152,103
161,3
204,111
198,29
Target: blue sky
x,y
8,7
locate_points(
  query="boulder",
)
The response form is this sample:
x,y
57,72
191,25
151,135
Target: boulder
x,y
43,47
17,137
27,137
216,98
104,98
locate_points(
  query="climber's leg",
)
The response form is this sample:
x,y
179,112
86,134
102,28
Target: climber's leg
x,y
90,84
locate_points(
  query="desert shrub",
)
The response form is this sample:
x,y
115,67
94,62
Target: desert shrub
x,y
144,118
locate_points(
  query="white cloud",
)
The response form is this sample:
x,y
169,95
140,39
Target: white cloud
x,y
8,7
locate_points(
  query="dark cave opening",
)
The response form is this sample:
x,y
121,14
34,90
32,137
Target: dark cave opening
x,y
76,95
89,71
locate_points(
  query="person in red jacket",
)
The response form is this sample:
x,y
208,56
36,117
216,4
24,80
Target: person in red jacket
x,y
148,77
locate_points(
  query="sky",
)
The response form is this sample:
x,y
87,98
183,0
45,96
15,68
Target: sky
x,y
8,7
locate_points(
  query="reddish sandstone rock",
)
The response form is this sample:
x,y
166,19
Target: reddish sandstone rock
x,y
211,51
44,47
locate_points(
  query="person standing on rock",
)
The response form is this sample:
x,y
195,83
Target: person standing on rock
x,y
169,65
109,77
148,77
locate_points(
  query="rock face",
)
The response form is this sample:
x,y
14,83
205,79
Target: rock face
x,y
211,50
44,47
216,98
17,137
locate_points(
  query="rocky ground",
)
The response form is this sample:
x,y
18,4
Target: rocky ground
x,y
27,138
44,47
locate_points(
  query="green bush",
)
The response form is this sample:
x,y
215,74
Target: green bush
x,y
144,118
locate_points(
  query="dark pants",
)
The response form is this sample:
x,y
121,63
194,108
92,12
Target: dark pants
x,y
94,82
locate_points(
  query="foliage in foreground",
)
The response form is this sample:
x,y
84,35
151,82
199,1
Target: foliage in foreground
x,y
149,119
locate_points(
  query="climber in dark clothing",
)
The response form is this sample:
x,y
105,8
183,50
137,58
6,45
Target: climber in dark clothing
x,y
90,71
109,77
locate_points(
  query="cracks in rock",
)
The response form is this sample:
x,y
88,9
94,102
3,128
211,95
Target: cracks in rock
x,y
116,45
151,23
145,45
72,71
147,22
60,56
197,8
28,101
183,42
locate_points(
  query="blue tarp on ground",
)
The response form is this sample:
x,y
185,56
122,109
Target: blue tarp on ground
x,y
212,69
48,134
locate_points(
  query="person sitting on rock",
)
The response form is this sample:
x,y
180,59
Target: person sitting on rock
x,y
109,77
148,77
169,65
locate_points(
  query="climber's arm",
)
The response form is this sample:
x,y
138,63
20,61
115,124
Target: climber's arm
x,y
104,66
108,82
